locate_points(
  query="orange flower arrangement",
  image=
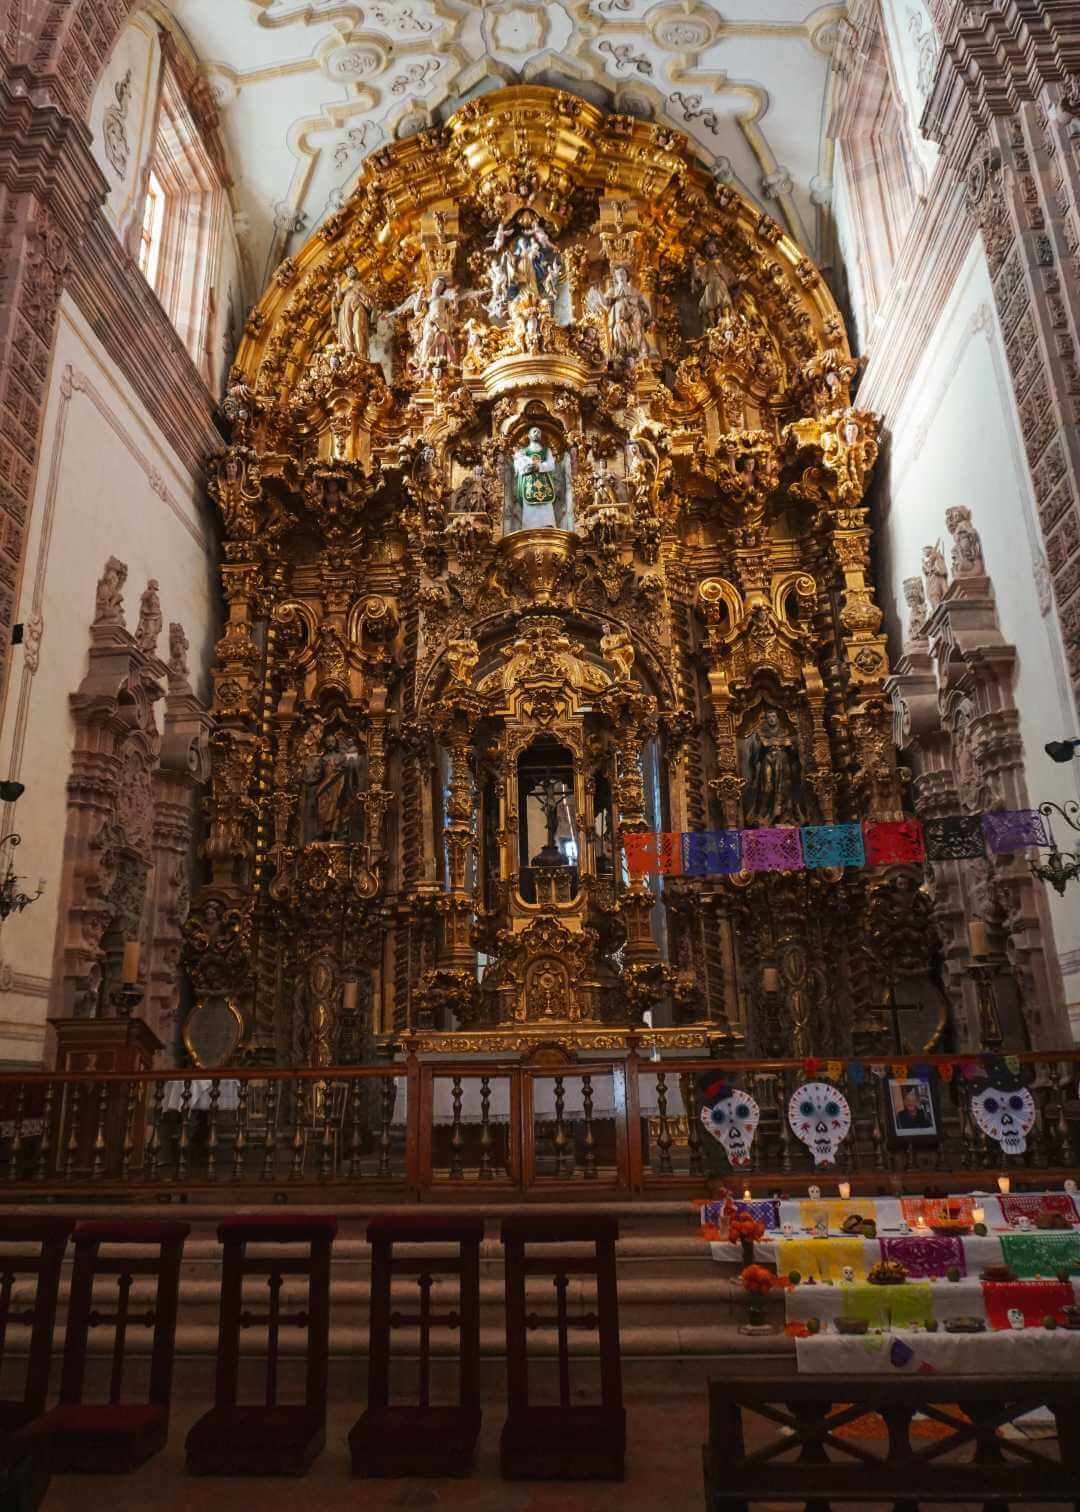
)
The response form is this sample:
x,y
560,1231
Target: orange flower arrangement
x,y
744,1226
757,1280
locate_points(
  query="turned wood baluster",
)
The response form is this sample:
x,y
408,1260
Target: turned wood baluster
x,y
968,1149
850,1146
877,1135
1038,1150
486,1171
457,1134
693,1133
588,1167
754,1161
387,1093
128,1153
16,1135
784,1140
183,1147
269,1141
212,1131
1063,1128
663,1138
559,1137
355,1140
152,1155
100,1160
71,1154
296,1171
44,1156
240,1142
326,1146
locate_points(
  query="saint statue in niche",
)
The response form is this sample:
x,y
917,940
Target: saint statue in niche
x,y
536,484
351,313
707,277
775,792
628,316
333,783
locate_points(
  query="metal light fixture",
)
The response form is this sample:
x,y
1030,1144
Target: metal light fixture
x,y
1059,870
1061,750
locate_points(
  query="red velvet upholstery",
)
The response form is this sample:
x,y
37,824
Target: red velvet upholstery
x,y
118,1435
37,1228
559,1228
136,1231
99,1438
412,1440
565,1443
420,1228
235,1438
250,1440
272,1228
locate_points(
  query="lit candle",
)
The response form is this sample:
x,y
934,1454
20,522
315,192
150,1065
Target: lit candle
x,y
1004,1185
747,1195
350,996
977,938
770,979
844,1189
130,971
978,1215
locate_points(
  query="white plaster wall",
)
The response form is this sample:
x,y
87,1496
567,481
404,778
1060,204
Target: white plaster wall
x,y
107,485
136,49
956,440
913,50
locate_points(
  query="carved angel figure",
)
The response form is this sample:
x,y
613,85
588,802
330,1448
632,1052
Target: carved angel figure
x,y
109,609
351,313
150,619
628,316
967,557
436,311
936,574
915,598
617,649
707,276
462,656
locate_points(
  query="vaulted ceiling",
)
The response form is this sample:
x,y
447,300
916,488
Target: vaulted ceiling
x,y
307,88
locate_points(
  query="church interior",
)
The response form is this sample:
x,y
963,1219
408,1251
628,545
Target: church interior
x,y
540,722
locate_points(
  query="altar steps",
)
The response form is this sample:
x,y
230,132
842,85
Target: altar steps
x,y
679,1313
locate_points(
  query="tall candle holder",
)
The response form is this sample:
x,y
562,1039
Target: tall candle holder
x,y
982,970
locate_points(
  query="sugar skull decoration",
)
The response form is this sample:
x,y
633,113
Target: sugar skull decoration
x,y
819,1115
731,1116
1005,1117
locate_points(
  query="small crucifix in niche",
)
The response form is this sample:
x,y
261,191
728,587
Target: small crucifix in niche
x,y
552,795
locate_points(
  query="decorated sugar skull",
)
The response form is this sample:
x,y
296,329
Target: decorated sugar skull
x,y
1015,1317
819,1115
1007,1117
847,1274
731,1116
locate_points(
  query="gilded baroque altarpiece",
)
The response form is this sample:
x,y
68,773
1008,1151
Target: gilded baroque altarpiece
x,y
544,527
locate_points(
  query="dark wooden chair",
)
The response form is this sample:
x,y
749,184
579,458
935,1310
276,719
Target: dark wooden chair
x,y
24,1467
115,1436
236,1438
570,1441
426,1438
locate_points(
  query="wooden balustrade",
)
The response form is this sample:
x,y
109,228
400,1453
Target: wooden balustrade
x,y
413,1127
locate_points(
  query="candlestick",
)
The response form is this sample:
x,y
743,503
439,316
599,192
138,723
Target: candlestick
x,y
1004,1185
350,996
977,938
844,1189
770,979
130,971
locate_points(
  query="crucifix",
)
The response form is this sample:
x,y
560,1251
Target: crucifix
x,y
550,793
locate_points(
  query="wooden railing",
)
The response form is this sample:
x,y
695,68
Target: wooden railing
x,y
423,1129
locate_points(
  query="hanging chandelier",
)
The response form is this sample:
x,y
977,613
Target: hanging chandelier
x,y
12,898
1058,869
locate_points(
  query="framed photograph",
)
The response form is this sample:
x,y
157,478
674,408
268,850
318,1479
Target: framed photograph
x,y
912,1112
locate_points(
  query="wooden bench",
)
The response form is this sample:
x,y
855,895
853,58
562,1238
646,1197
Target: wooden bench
x,y
809,1462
